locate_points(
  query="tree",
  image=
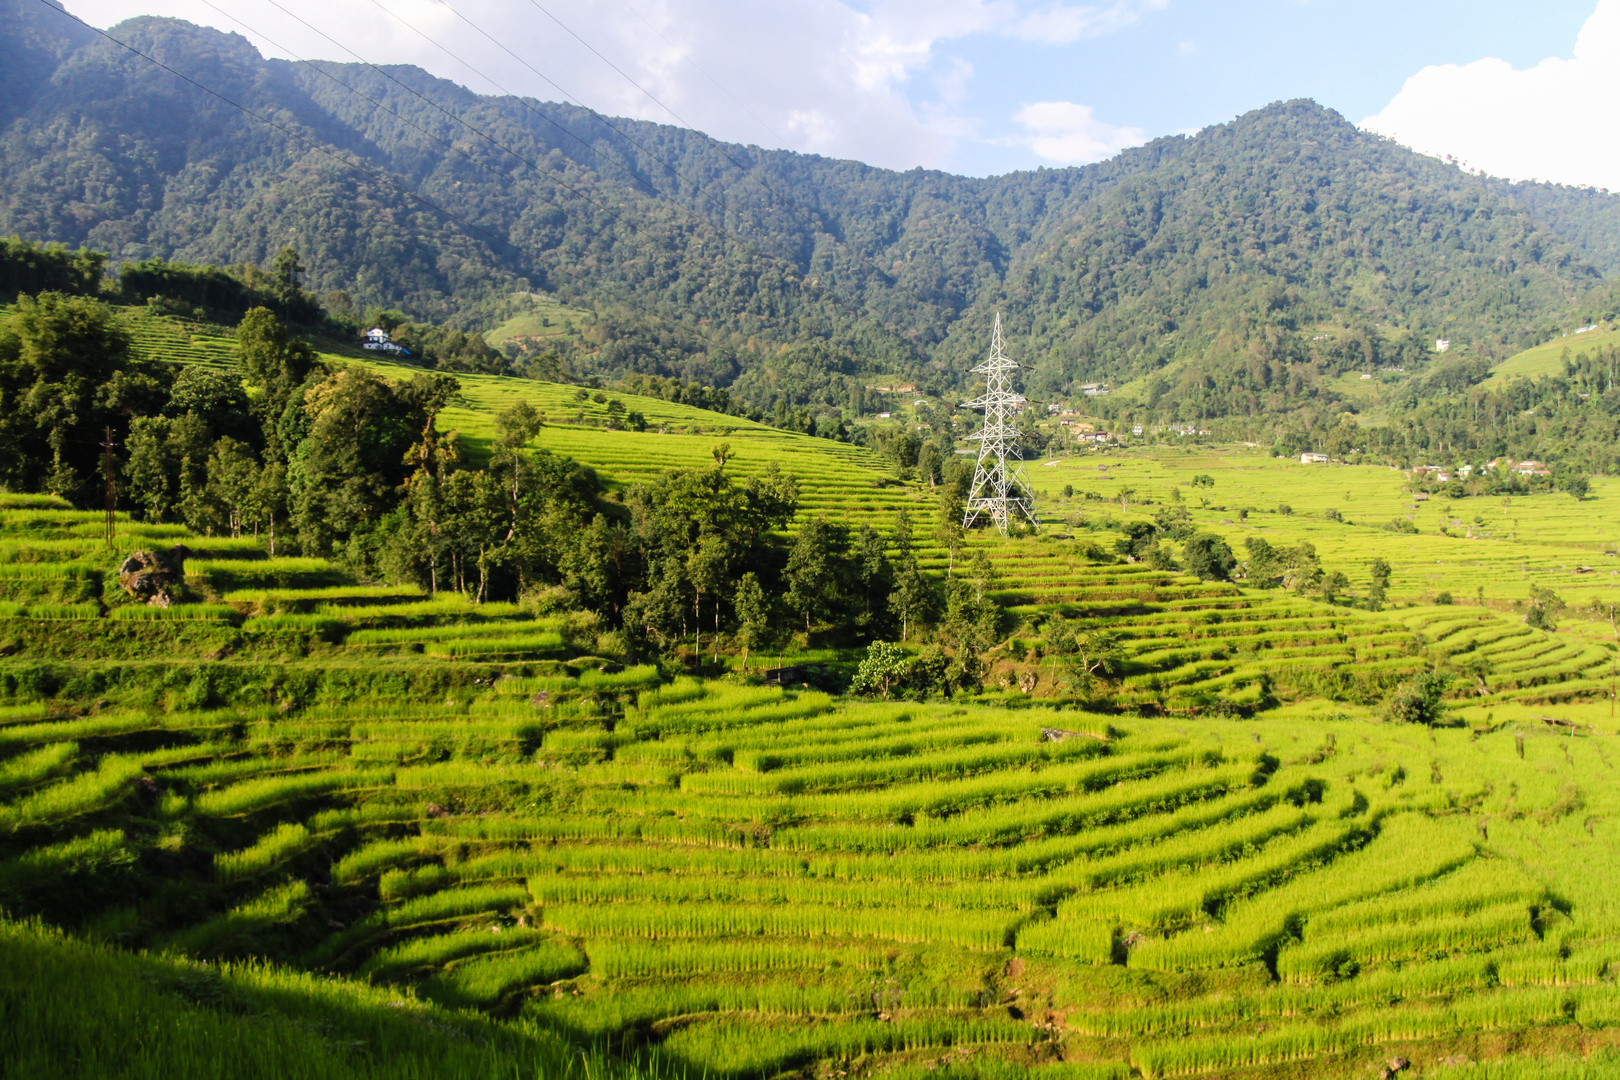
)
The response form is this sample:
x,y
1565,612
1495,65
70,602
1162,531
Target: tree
x,y
167,470
912,599
64,361
658,610
271,499
1097,654
885,665
189,449
753,611
1138,538
515,425
810,569
873,581
1265,564
1545,608
972,617
269,359
930,465
1378,590
285,272
902,532
706,566
362,429
1419,700
148,476
1088,657
233,476
948,524
1061,641
1334,585
1209,557
216,397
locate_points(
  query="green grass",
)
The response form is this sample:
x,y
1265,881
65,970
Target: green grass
x,y
136,1017
1245,868
1547,358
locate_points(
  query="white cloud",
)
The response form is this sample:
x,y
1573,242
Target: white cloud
x,y
867,79
1548,122
1069,133
1061,24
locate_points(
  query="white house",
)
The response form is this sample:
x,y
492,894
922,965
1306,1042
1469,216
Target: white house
x,y
1312,459
1442,344
377,340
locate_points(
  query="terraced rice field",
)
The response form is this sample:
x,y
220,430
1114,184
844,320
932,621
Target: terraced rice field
x,y
758,879
177,341
1537,539
841,482
1230,866
450,802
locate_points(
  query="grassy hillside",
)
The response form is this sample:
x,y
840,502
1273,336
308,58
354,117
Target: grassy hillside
x,y
459,806
350,829
539,324
1548,358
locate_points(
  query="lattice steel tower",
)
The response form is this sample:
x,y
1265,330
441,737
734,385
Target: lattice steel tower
x,y
998,490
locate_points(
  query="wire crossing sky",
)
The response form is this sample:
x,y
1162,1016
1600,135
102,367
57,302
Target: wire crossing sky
x,y
990,86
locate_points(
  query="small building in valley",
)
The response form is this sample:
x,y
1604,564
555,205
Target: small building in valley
x,y
377,340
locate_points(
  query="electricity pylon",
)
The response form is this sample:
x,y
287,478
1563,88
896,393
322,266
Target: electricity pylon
x,y
998,491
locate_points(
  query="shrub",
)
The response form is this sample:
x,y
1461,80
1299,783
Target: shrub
x,y
1210,557
885,665
1418,700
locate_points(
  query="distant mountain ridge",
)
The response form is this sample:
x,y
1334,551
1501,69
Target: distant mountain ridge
x,y
1275,249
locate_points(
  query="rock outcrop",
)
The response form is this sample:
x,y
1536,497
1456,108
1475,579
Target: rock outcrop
x,y
154,576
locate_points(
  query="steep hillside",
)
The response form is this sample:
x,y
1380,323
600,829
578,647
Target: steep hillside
x,y
1248,246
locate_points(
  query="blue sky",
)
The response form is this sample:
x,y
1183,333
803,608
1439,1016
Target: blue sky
x,y
1192,63
989,86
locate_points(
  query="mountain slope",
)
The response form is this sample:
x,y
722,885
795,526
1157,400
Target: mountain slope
x,y
1271,250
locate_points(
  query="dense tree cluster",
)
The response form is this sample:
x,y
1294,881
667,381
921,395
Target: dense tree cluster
x,y
338,461
1236,273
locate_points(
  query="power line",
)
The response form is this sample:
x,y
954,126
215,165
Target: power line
x,y
597,53
606,121
382,176
747,172
851,311
373,173
426,100
696,187
695,67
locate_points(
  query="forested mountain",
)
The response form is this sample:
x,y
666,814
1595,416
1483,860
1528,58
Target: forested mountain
x,y
1276,250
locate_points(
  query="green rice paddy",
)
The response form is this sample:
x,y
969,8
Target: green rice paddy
x,y
469,846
